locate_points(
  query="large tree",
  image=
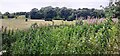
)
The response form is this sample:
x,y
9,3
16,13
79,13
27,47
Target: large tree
x,y
0,15
49,13
65,13
117,9
34,13
6,13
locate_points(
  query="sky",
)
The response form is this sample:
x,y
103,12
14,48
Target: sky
x,y
26,5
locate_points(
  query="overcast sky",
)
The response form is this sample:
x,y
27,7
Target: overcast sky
x,y
27,5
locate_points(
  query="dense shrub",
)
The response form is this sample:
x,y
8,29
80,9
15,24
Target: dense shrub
x,y
64,39
11,16
48,19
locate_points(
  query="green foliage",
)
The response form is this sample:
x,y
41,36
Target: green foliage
x,y
113,11
64,39
65,13
79,22
57,18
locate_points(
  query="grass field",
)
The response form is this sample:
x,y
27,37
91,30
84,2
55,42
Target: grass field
x,y
21,24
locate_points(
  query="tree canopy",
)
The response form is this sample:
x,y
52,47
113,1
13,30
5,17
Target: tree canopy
x,y
64,13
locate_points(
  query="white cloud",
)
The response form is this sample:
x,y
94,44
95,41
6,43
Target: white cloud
x,y
27,5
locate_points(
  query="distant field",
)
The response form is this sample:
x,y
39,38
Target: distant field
x,y
21,24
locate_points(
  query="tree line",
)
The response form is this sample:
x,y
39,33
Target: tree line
x,y
48,13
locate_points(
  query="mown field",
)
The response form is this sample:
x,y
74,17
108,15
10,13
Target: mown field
x,y
22,24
